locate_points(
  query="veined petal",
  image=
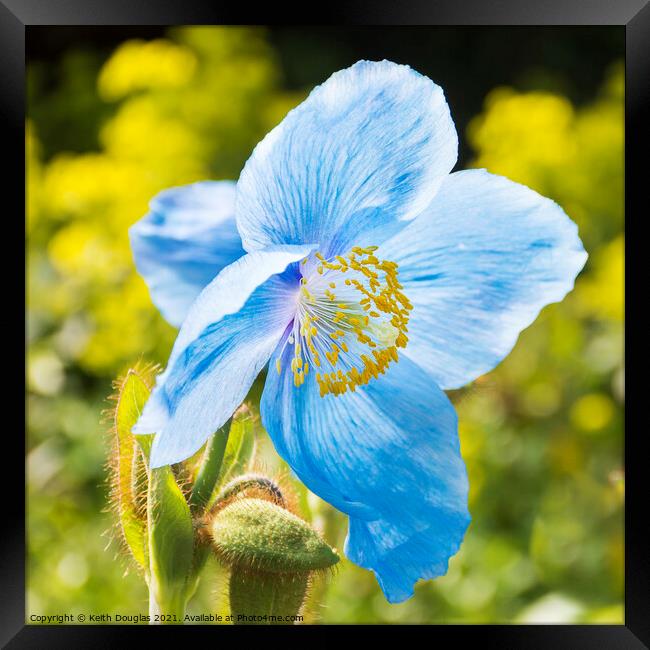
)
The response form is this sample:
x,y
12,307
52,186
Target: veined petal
x,y
363,154
388,455
185,239
478,265
226,339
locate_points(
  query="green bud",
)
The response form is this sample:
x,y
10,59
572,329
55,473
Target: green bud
x,y
270,551
254,482
257,535
128,470
152,509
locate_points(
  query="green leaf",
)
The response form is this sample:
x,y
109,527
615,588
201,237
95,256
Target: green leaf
x,y
171,536
257,535
128,485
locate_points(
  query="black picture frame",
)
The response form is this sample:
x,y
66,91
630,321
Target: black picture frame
x,y
17,16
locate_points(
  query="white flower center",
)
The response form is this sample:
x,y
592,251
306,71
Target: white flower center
x,y
350,319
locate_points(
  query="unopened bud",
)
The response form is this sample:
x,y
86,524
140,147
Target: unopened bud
x,y
259,535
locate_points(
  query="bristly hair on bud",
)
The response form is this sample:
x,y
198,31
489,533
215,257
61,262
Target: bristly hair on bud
x,y
271,553
126,468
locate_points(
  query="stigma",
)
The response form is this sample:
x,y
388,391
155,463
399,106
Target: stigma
x,y
351,319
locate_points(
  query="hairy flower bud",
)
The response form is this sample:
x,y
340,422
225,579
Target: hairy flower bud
x,y
261,536
127,467
270,551
152,510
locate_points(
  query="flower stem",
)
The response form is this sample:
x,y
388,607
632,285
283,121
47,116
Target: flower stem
x,y
168,609
208,473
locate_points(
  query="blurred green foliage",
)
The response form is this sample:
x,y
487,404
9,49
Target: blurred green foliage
x,y
542,435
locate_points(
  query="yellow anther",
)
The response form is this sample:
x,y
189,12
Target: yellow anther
x,y
370,290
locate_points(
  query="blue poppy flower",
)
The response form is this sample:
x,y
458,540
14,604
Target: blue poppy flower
x,y
373,280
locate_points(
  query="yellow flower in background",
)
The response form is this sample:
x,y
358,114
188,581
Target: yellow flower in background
x,y
602,292
522,135
575,155
592,412
139,65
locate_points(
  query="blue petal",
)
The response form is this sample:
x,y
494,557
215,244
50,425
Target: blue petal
x,y
363,154
388,455
478,265
226,339
187,237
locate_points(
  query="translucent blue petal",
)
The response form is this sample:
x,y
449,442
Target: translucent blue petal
x,y
364,153
478,265
185,239
388,455
227,337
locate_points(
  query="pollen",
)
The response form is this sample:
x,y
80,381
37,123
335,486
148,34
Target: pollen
x,y
353,334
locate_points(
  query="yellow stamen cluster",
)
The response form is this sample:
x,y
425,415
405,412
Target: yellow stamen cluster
x,y
352,316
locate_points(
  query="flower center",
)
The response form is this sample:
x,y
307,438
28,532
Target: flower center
x,y
351,317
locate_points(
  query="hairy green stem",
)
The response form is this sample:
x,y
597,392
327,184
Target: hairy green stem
x,y
210,468
166,609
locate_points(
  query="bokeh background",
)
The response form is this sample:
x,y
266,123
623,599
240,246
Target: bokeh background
x,y
117,114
